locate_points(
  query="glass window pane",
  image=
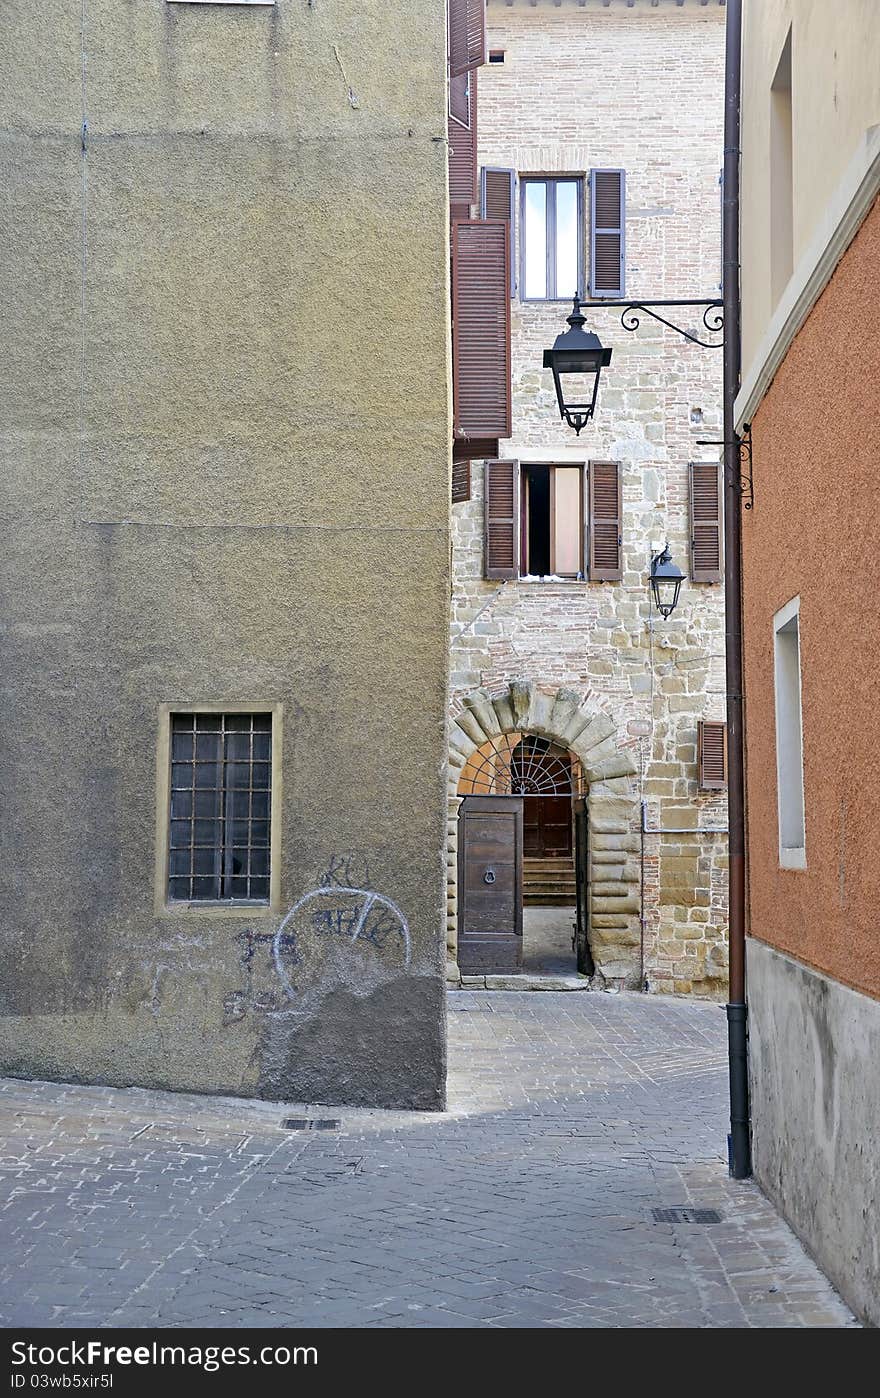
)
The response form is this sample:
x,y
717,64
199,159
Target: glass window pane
x,y
206,775
262,723
206,832
182,747
207,747
261,747
238,747
206,888
181,805
181,774
205,861
567,520
237,888
535,238
260,832
260,888
238,723
259,862
178,861
181,834
261,775
566,238
237,803
208,723
238,775
179,888
206,804
260,805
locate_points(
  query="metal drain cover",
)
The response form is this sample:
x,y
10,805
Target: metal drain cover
x,y
682,1214
301,1123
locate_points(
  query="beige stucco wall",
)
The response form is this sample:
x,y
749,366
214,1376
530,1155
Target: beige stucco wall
x,y
640,89
835,97
225,478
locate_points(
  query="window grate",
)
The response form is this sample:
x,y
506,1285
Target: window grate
x,y
685,1215
301,1123
221,780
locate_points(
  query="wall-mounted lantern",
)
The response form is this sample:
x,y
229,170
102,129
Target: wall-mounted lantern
x,y
666,581
578,356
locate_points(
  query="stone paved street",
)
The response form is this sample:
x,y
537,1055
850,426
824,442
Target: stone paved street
x,y
529,1203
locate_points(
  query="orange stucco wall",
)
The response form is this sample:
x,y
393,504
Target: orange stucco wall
x,y
815,532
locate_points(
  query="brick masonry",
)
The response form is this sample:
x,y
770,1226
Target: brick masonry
x,y
639,89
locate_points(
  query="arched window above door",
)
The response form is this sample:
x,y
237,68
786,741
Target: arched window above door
x,y
521,764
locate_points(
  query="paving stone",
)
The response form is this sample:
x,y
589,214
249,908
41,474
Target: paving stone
x,y
527,1204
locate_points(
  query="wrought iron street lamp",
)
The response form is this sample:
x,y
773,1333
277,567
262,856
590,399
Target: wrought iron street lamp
x,y
578,356
666,581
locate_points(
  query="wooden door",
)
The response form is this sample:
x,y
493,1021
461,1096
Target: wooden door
x,y
490,844
541,772
582,878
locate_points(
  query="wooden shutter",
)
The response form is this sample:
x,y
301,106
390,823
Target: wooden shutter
x,y
463,147
712,754
502,519
481,328
474,448
498,200
706,528
461,481
607,219
606,515
465,35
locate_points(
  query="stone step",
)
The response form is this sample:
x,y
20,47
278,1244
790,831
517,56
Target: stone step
x,y
549,900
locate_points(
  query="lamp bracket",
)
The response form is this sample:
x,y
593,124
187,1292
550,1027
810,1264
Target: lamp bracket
x,y
713,316
744,481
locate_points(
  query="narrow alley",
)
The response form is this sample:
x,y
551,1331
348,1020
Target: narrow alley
x,y
542,1197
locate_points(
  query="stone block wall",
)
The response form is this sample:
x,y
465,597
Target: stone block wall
x,y
638,89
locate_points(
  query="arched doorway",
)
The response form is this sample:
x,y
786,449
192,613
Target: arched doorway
x,y
523,874
609,820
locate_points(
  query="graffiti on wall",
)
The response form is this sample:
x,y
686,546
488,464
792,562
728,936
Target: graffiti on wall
x,y
343,907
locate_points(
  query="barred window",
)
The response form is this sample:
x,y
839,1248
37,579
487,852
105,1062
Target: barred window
x,y
221,780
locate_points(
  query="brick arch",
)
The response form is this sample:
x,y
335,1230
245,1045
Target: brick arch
x,y
567,719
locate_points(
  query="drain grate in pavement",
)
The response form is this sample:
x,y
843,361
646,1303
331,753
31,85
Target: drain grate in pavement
x,y
301,1123
686,1215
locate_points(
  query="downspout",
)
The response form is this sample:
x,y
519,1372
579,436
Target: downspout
x,y
737,1030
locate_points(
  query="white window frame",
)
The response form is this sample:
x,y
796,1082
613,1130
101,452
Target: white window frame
x,y
790,800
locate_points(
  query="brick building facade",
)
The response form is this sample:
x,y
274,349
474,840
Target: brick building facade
x,y
582,664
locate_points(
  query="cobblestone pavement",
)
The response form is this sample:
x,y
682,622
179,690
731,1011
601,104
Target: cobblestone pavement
x,y
528,1204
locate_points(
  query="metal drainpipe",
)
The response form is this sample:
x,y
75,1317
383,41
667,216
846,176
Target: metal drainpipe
x,y
737,1031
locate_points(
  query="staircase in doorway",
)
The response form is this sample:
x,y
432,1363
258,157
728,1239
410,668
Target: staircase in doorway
x,y
549,882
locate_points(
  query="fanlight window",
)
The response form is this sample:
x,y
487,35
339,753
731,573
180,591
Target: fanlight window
x,y
517,764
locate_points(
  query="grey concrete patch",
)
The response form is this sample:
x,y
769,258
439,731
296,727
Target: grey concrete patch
x,y
815,1047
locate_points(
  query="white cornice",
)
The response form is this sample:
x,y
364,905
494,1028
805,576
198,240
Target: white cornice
x,y
839,224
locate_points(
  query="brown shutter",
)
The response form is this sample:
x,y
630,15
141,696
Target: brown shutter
x,y
607,235
502,519
712,754
606,517
481,328
705,499
466,35
474,448
463,145
461,481
497,200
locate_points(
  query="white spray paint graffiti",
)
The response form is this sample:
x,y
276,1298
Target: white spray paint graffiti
x,y
371,901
